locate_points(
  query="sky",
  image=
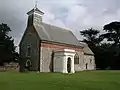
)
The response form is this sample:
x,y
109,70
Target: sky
x,y
76,15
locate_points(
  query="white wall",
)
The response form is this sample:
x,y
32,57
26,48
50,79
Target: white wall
x,y
60,60
61,57
58,64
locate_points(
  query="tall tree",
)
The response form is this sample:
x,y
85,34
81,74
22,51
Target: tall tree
x,y
106,55
91,37
7,48
113,34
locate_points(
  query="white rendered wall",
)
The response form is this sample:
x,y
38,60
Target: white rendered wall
x,y
70,54
65,65
72,62
58,64
60,60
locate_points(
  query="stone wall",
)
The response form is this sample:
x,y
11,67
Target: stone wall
x,y
46,64
90,61
46,57
87,62
30,38
10,67
46,61
80,66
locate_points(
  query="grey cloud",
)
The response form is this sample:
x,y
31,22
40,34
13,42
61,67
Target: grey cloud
x,y
74,14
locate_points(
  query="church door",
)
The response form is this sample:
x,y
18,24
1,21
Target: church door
x,y
69,65
86,66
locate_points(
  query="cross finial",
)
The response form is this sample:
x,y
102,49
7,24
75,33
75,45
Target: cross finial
x,y
36,2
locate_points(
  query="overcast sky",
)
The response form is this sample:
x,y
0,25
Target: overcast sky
x,y
76,15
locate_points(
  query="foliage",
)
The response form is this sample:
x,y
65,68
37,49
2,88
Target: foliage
x,y
93,41
91,36
7,48
112,32
106,54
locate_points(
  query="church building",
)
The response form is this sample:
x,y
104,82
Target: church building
x,y
48,48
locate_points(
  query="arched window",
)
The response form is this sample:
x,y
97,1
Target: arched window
x,y
76,59
28,50
28,64
90,60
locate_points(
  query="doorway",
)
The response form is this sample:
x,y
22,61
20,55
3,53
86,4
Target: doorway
x,y
28,65
69,65
86,66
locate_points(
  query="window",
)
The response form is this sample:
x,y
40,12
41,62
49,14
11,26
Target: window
x,y
91,60
76,59
28,64
28,50
83,60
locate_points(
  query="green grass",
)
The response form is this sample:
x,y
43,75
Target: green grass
x,y
87,80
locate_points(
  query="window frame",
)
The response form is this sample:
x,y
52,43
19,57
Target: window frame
x,y
28,53
90,60
76,59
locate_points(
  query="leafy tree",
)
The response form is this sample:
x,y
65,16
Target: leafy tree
x,y
113,34
7,48
107,55
92,39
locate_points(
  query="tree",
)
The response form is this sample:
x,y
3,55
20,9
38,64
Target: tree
x,y
113,34
7,48
93,41
91,37
107,55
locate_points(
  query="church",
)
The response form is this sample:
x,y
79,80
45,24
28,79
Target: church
x,y
48,48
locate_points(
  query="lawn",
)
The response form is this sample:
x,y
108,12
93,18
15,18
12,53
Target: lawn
x,y
87,80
